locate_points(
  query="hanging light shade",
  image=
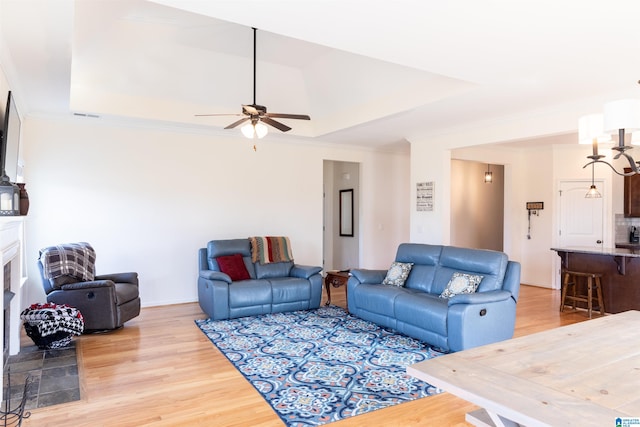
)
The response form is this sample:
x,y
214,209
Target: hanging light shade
x,y
591,127
488,175
622,114
254,130
593,192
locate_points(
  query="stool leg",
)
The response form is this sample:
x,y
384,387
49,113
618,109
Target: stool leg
x,y
589,295
565,284
599,292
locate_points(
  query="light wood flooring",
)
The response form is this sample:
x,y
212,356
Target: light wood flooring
x,y
161,370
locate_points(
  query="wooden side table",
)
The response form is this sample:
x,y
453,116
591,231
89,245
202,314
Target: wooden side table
x,y
336,279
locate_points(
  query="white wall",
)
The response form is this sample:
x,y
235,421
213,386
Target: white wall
x,y
431,163
147,199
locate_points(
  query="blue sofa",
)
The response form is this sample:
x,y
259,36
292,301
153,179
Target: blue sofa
x,y
271,288
416,309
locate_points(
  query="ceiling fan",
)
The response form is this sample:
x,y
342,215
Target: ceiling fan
x,y
256,116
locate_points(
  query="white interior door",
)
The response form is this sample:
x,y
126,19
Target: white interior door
x,y
581,219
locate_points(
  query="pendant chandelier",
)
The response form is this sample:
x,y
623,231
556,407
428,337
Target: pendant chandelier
x,y
488,175
620,117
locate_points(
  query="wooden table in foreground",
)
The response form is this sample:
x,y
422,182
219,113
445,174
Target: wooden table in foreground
x,y
585,374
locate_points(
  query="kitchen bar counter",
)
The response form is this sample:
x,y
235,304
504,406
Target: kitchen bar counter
x,y
620,269
632,246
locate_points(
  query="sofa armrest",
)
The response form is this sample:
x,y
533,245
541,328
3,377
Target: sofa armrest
x,y
215,275
129,277
369,276
304,271
88,285
480,297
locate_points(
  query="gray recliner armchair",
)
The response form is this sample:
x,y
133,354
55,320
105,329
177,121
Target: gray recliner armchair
x,y
68,277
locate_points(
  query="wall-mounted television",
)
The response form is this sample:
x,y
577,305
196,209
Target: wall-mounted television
x,y
10,146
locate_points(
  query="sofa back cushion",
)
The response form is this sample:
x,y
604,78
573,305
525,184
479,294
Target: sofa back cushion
x,y
490,264
272,270
217,248
425,259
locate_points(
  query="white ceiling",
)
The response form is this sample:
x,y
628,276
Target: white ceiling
x,y
371,72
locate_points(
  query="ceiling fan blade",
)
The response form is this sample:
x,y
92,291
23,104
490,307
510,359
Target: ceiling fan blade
x,y
277,125
289,116
239,122
211,115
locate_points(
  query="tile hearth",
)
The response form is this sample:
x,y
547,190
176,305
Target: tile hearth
x,y
54,374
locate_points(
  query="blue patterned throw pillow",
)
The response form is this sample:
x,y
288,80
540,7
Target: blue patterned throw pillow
x,y
461,283
397,273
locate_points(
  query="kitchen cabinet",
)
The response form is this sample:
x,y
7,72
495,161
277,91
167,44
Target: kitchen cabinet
x,y
631,195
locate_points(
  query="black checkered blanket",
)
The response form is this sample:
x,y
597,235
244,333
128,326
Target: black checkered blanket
x,y
69,259
52,325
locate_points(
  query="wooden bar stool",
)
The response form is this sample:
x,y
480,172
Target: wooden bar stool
x,y
592,280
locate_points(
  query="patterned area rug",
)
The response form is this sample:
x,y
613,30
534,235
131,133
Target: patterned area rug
x,y
319,366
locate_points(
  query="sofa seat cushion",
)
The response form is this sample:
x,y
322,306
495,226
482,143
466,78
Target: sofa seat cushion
x,y
288,289
423,310
247,293
377,298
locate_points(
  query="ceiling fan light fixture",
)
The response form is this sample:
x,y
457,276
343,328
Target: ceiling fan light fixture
x,y
255,116
254,130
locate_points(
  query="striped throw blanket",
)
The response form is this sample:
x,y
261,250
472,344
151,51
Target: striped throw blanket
x,y
69,259
270,249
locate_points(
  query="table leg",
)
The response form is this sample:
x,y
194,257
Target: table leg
x,y
328,288
483,418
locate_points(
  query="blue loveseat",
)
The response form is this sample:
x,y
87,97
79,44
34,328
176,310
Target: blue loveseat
x,y
270,288
416,309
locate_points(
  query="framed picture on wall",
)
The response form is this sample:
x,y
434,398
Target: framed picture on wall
x,y
346,213
424,196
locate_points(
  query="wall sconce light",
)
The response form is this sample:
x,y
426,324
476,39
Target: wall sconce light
x,y
488,175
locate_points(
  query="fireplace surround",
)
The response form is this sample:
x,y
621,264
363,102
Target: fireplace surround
x,y
11,259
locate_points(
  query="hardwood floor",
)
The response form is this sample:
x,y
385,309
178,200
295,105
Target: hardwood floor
x,y
161,370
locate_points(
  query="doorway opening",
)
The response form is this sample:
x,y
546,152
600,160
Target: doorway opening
x,y
341,233
477,207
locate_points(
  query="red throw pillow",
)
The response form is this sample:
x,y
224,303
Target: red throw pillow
x,y
233,265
